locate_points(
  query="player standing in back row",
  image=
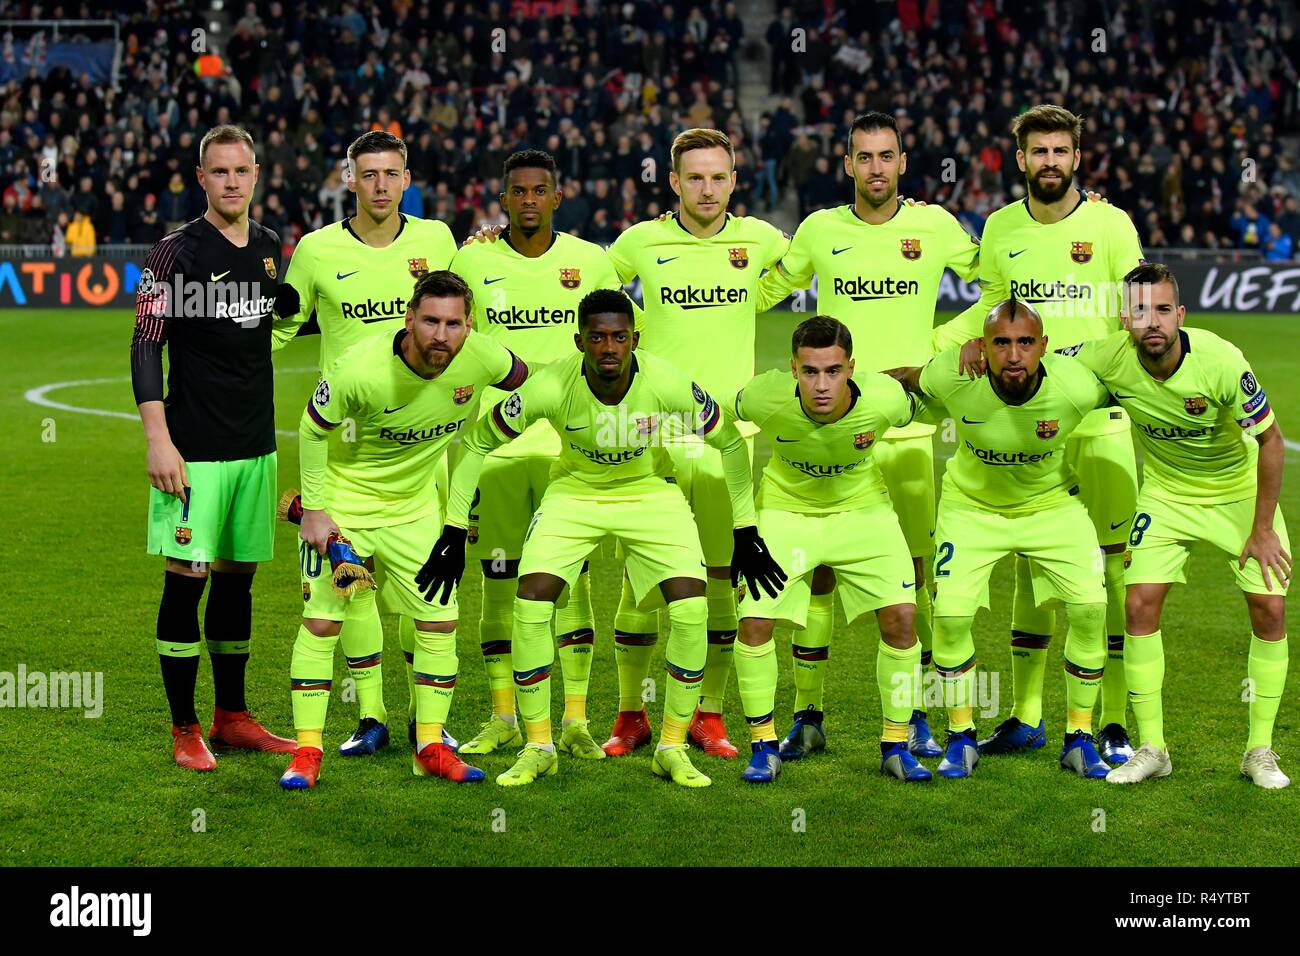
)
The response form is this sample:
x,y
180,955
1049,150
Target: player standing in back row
x,y
1067,258
208,292
699,272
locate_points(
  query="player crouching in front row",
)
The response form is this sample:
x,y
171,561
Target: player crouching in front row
x,y
823,502
614,410
405,397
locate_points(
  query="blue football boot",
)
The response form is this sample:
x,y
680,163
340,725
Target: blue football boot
x,y
897,760
806,735
369,736
960,755
919,739
764,765
1113,744
1011,735
1079,753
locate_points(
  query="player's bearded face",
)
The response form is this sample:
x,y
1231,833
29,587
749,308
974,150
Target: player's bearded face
x,y
530,198
379,182
228,176
704,183
1049,161
876,164
823,376
1152,316
437,331
1014,350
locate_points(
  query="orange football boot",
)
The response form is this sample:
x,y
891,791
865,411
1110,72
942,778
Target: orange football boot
x,y
709,733
189,750
631,730
237,730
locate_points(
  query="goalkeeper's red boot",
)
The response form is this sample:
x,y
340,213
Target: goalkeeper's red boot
x,y
189,750
709,733
631,730
237,730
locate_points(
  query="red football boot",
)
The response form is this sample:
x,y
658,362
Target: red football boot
x,y
631,730
439,760
189,750
303,769
237,730
709,733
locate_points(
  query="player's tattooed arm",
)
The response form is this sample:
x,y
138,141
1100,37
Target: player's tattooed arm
x,y
1264,545
909,376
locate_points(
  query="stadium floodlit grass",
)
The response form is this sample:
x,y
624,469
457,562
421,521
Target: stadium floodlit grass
x,y
80,594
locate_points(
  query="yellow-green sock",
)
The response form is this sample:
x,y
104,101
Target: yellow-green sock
x,y
362,640
924,631
1144,667
896,670
955,663
1083,663
533,653
1266,668
496,622
1031,633
721,632
406,637
756,675
311,672
811,651
635,635
684,661
575,639
436,666
1114,685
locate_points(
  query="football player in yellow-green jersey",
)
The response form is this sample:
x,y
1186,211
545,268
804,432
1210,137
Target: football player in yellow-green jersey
x,y
699,271
878,263
405,398
356,276
1194,399
1010,489
1066,257
615,410
823,503
528,283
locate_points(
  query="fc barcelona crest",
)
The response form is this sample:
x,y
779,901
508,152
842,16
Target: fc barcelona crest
x,y
306,590
418,267
471,534
1047,428
911,249
269,265
570,279
644,426
1195,405
183,535
740,258
862,441
463,394
1081,252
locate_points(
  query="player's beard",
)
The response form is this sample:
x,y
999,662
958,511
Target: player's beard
x,y
891,194
1016,388
437,359
1047,194
1153,349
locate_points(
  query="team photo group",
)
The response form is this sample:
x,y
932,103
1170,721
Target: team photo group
x,y
508,406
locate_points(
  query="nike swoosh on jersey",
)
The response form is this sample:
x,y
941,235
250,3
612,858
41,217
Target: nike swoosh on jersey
x,y
669,259
487,281
909,584
1117,395
836,252
213,277
344,275
969,422
571,428
1117,526
780,439
1012,255
389,411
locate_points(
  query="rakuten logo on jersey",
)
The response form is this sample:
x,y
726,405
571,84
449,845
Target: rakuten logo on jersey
x,y
515,318
819,470
1035,292
991,456
694,297
372,310
413,436
1173,432
861,289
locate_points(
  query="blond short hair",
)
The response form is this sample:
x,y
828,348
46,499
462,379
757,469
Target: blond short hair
x,y
1047,118
225,134
690,139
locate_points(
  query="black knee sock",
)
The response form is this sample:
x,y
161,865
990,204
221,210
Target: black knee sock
x,y
228,628
178,643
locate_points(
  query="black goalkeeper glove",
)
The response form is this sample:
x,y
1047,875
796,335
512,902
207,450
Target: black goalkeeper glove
x,y
287,303
751,559
445,566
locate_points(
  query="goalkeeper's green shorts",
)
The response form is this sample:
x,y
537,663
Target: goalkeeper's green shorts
x,y
230,513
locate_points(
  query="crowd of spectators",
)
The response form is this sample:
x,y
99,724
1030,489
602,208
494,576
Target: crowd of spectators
x,y
1189,108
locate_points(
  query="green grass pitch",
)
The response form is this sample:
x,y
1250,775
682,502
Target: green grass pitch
x,y
80,594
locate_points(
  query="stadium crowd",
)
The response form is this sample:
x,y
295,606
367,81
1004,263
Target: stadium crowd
x,y
1190,108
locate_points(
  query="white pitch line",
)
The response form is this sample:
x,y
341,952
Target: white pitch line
x,y
37,396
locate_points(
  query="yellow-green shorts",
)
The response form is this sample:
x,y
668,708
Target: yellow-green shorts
x,y
1163,530
699,475
509,492
649,518
229,513
865,547
1108,486
1065,561
908,467
395,554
